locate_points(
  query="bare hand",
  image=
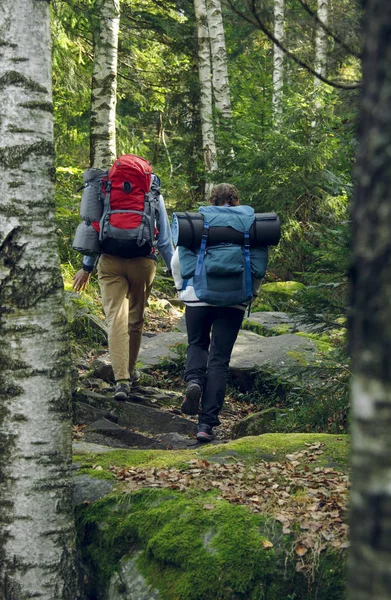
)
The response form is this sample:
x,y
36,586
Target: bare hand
x,y
80,280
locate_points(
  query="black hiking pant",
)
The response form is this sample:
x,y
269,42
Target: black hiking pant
x,y
211,333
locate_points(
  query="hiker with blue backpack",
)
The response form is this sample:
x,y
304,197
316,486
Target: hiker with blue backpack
x,y
217,267
124,220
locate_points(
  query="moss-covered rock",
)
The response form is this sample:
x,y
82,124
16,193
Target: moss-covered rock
x,y
255,424
280,296
195,546
249,449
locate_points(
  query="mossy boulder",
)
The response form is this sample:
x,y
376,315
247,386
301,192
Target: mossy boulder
x,y
256,423
274,323
279,296
195,544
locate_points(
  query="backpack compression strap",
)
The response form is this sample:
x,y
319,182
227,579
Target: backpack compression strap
x,y
201,254
104,221
247,261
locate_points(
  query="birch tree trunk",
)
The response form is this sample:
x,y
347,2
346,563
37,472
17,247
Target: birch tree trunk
x,y
37,537
278,62
104,83
321,42
218,51
206,106
370,331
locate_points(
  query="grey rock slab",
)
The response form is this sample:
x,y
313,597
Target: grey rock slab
x,y
123,436
101,368
139,417
154,350
83,447
272,321
100,439
152,397
181,324
283,353
175,441
89,489
129,584
252,351
84,413
152,420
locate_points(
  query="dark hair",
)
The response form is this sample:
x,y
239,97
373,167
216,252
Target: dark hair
x,y
224,193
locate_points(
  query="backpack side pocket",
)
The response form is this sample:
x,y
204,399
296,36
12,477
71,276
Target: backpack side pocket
x,y
259,258
187,261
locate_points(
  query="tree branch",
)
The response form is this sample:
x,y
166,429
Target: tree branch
x,y
329,32
260,25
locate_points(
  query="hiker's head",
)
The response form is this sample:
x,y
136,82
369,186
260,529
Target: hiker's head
x,y
224,194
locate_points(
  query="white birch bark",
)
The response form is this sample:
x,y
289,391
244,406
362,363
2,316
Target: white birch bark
x,y
220,80
278,62
104,83
37,538
206,106
321,42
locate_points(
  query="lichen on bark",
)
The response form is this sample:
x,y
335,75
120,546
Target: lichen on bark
x,y
35,392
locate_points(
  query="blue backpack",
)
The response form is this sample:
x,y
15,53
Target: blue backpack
x,y
222,274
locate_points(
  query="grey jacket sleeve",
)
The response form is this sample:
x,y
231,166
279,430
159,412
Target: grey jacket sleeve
x,y
164,243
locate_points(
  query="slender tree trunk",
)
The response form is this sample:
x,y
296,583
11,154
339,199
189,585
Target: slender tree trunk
x,y
370,327
206,107
37,537
321,42
278,62
104,83
218,51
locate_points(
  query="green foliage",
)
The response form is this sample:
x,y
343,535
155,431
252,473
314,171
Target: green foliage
x,y
308,398
68,181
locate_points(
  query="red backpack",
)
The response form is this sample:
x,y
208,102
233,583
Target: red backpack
x,y
122,205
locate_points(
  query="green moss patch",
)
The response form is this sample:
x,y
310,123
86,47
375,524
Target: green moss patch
x,y
265,331
195,546
280,295
250,449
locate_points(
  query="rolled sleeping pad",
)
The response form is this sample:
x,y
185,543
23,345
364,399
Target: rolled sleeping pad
x,y
91,206
86,239
187,231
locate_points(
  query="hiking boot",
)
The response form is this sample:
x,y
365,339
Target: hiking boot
x,y
135,376
122,390
193,394
139,378
205,433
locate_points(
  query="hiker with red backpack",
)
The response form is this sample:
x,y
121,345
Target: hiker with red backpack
x,y
220,260
124,220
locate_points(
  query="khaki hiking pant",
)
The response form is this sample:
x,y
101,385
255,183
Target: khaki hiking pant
x,y
125,285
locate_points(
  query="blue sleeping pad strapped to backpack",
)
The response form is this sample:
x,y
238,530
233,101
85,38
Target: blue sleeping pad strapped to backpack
x,y
222,274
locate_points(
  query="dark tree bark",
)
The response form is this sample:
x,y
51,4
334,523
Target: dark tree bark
x,y
370,321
